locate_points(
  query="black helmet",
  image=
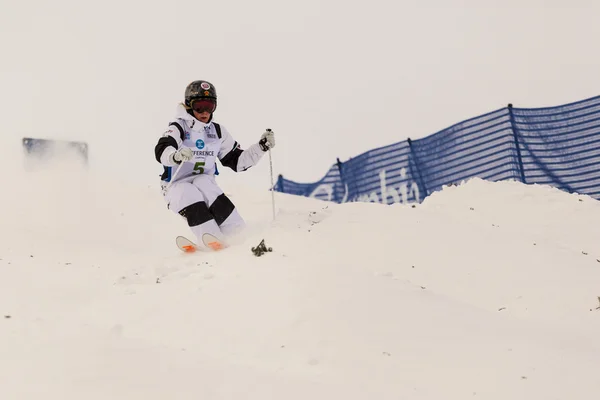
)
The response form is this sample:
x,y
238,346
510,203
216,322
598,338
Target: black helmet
x,y
200,90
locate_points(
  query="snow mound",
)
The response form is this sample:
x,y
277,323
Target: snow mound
x,y
485,290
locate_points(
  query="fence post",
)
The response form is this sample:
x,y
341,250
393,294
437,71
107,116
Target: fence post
x,y
421,182
340,169
339,165
513,126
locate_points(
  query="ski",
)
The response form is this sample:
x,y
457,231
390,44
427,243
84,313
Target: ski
x,y
187,246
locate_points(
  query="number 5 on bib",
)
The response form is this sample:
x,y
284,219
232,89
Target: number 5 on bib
x,y
199,167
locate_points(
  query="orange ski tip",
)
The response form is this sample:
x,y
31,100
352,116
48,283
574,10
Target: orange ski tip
x,y
189,248
215,245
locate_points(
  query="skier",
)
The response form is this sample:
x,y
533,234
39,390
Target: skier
x,y
188,150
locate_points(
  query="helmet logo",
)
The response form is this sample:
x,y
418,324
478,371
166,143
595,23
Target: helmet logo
x,y
205,86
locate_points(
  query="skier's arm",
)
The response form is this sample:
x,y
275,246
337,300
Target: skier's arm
x,y
167,150
232,156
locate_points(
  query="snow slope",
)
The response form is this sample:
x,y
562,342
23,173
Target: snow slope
x,y
485,290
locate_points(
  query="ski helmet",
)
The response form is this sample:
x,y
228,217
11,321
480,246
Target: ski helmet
x,y
200,90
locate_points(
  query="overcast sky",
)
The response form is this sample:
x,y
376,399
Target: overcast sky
x,y
332,78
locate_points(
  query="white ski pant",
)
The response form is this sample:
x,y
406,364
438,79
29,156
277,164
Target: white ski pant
x,y
205,207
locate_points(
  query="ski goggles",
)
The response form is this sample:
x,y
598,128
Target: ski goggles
x,y
204,105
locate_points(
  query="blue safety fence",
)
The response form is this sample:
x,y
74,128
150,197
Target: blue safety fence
x,y
556,146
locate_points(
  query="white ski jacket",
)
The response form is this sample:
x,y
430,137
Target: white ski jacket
x,y
208,142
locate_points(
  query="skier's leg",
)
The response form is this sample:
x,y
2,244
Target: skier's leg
x,y
219,205
185,199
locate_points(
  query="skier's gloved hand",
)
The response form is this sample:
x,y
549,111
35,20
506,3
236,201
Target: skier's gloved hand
x,y
267,140
183,154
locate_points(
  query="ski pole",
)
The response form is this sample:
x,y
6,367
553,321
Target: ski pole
x,y
272,182
174,176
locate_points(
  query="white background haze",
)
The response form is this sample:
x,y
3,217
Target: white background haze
x,y
332,78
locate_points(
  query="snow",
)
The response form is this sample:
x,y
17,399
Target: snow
x,y
485,290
